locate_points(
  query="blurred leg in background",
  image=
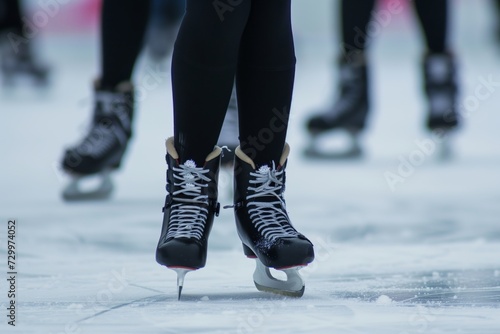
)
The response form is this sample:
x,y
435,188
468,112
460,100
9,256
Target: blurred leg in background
x,y
439,66
350,109
439,73
164,21
123,24
124,33
18,58
497,21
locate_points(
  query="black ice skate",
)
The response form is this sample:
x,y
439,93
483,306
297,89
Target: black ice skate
x,y
189,212
441,90
19,62
348,113
264,226
102,149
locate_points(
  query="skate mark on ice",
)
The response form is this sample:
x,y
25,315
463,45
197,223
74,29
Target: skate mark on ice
x,y
164,298
469,297
119,306
146,288
473,288
240,296
452,298
428,229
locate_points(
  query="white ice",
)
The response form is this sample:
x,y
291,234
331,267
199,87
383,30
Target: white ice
x,y
423,257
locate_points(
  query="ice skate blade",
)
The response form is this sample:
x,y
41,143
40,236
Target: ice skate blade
x,y
352,151
181,273
444,153
25,80
74,192
264,281
444,150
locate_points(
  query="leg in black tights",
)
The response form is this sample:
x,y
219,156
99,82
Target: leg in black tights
x,y
123,24
439,66
10,16
203,67
207,56
18,57
433,17
265,80
497,19
356,15
350,109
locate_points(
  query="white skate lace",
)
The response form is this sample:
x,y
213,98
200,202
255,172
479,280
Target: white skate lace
x,y
187,217
269,217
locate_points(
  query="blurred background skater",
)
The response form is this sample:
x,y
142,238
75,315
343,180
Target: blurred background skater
x,y
164,21
126,27
18,58
123,25
349,111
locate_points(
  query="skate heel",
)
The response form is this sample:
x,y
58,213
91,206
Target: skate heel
x,y
248,252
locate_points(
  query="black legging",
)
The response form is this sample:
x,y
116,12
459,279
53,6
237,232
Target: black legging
x,y
10,16
123,24
356,15
218,39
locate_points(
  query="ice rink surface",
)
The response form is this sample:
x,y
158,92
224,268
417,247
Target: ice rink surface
x,y
420,256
